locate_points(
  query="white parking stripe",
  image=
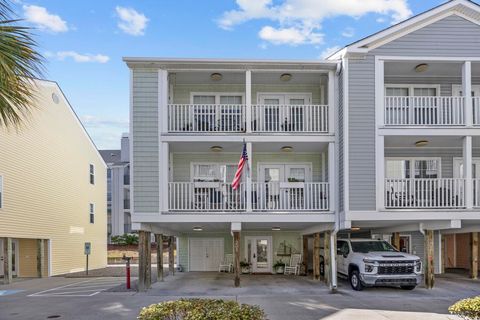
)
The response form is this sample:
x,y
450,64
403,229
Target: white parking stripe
x,y
86,288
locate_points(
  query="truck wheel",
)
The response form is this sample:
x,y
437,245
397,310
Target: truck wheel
x,y
407,287
355,281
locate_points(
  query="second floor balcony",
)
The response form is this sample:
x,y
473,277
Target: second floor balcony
x,y
265,196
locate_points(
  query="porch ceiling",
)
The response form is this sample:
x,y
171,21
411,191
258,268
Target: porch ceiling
x,y
209,227
433,142
203,77
236,147
435,69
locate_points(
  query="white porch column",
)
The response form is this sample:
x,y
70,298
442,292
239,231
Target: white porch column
x,y
331,176
248,100
249,175
380,171
331,102
467,92
164,160
467,171
163,90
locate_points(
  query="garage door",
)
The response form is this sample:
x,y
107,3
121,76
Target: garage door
x,y
206,254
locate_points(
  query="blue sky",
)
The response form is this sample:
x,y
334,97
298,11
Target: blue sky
x,y
84,41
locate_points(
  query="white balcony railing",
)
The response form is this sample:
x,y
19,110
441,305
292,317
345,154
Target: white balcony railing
x,y
476,110
290,118
205,196
218,196
206,118
424,111
275,196
425,193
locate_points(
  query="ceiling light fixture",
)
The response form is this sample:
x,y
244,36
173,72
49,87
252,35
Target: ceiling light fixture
x,y
197,229
275,228
216,76
355,228
422,67
421,143
286,149
286,77
216,148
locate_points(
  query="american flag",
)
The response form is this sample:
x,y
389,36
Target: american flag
x,y
238,175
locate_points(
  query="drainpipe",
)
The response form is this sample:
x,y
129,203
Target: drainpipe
x,y
421,229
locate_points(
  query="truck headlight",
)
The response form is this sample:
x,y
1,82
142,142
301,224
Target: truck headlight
x,y
418,266
369,268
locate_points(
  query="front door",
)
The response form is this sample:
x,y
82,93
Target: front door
x,y
405,242
258,251
15,257
206,254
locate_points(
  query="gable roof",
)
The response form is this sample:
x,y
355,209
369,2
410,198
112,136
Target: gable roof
x,y
466,9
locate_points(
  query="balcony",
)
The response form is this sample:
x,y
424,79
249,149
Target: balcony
x,y
199,118
268,196
448,193
424,111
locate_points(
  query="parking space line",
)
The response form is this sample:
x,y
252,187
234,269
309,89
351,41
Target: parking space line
x,y
86,288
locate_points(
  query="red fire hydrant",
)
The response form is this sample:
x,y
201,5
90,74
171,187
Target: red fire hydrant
x,y
127,259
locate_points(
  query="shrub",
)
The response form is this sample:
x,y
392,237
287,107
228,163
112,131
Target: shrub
x,y
467,308
198,309
125,239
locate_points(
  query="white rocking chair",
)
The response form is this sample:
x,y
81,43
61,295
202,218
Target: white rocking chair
x,y
227,264
294,266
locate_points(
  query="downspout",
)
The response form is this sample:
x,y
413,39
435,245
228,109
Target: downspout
x,y
333,245
421,229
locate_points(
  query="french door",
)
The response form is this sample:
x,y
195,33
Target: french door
x,y
258,252
283,185
283,112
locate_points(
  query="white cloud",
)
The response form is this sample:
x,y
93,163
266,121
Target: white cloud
x,y
77,57
105,131
381,20
291,36
131,21
43,19
301,20
348,32
328,52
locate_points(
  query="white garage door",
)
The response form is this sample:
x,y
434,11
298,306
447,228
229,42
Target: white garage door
x,y
206,254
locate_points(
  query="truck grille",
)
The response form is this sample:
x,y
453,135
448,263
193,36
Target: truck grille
x,y
396,267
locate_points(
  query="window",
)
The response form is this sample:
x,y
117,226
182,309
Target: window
x,y
418,168
1,192
214,172
92,174
420,90
227,117
92,213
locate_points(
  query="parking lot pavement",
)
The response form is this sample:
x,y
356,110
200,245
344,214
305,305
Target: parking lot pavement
x,y
85,288
282,298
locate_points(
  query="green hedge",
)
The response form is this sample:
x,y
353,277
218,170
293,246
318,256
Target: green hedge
x,y
467,308
200,309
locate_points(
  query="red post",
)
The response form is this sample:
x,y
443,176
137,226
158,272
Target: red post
x,y
128,271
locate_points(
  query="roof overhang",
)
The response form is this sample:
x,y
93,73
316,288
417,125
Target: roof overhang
x,y
463,8
229,64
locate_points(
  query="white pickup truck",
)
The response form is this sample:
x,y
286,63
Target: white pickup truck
x,y
367,262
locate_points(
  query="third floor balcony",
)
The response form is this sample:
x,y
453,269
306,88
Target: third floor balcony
x,y
431,94
249,102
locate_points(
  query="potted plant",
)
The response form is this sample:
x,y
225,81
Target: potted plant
x,y
245,266
279,267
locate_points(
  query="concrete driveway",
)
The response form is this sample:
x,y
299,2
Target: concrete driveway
x,y
283,298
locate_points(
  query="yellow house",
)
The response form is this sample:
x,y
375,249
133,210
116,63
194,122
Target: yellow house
x,y
52,192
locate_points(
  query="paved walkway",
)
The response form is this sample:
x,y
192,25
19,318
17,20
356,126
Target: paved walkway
x,y
282,297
